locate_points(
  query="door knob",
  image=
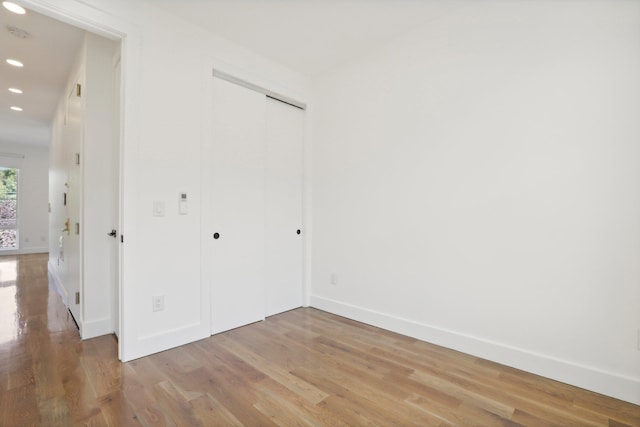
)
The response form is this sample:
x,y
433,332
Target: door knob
x,y
66,227
216,236
112,234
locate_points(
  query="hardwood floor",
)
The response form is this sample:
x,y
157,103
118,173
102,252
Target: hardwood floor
x,y
301,368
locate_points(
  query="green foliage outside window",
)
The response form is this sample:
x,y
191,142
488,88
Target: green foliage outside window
x,y
8,183
8,208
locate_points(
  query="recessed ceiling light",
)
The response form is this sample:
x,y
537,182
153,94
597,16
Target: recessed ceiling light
x,y
15,90
15,63
14,7
16,108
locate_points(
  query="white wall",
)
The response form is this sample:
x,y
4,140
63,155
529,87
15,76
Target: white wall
x,y
176,67
32,199
65,261
57,178
94,140
167,70
476,184
99,216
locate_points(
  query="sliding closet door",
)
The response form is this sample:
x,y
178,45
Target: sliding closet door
x,y
236,223
283,206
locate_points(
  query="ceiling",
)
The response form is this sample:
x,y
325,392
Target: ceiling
x,y
309,36
47,53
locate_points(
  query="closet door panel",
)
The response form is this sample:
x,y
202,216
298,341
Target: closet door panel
x,y
283,206
236,206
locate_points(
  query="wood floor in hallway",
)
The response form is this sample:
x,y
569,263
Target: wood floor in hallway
x,y
300,368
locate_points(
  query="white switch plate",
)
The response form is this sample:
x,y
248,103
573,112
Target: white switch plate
x,y
157,303
158,208
183,209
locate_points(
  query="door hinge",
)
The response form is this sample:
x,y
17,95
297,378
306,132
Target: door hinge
x,y
77,297
77,158
122,238
78,90
77,228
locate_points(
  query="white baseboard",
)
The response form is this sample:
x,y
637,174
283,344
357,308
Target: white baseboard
x,y
607,383
88,329
154,343
26,251
57,283
96,328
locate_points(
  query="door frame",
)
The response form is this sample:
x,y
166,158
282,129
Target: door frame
x,y
98,21
73,201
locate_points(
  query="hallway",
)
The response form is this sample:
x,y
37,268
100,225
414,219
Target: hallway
x,y
302,367
47,375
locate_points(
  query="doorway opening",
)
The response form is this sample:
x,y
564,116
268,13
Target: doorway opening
x,y
9,231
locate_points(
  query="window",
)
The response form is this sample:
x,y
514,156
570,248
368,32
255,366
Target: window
x,y
8,208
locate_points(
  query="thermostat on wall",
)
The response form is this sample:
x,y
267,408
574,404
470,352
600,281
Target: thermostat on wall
x,y
182,204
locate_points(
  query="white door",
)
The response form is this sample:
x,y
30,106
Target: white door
x,y
235,207
71,239
114,195
283,208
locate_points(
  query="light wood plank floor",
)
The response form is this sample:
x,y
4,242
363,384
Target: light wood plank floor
x,y
301,368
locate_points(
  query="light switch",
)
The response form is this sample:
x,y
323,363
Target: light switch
x,y
158,208
182,204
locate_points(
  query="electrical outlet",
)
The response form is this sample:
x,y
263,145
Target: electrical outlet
x,y
157,303
333,279
158,208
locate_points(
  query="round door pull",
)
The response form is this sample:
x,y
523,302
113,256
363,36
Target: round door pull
x,y
216,236
298,231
